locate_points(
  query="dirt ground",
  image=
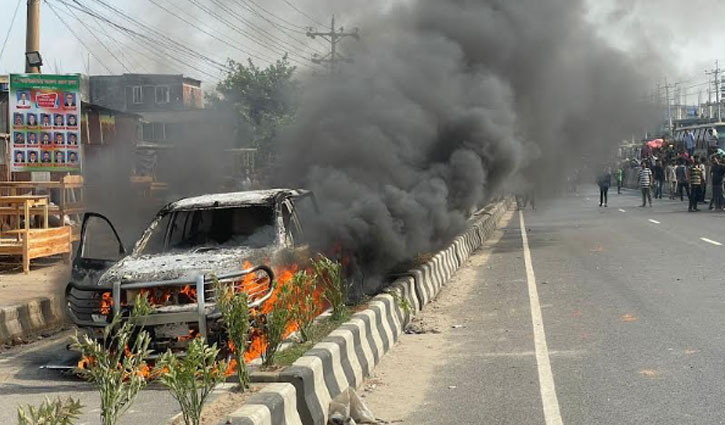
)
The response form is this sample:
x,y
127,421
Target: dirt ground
x,y
413,362
47,278
224,401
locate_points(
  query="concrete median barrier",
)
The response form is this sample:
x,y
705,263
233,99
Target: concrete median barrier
x,y
351,352
32,317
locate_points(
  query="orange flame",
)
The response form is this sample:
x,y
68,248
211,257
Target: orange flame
x,y
190,293
106,303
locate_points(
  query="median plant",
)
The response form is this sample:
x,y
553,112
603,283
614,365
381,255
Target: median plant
x,y
192,378
303,308
116,366
275,323
328,274
56,412
234,308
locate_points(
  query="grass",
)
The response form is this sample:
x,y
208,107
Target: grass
x,y
319,331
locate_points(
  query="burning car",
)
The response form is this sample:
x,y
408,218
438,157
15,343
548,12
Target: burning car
x,y
236,237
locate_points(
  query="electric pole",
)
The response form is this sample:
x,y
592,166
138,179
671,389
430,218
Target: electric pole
x,y
716,73
333,58
32,34
669,105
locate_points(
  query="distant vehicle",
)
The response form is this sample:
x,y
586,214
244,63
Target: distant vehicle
x,y
239,237
708,137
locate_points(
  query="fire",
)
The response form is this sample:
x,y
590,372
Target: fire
x,y
106,303
190,293
158,296
258,343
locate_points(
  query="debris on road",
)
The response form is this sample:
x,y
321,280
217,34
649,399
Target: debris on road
x,y
349,409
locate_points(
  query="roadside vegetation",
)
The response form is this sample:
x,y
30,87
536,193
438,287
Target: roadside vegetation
x,y
55,412
192,378
234,309
116,366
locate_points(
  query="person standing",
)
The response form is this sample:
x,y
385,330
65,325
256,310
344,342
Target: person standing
x,y
620,179
717,172
604,181
690,143
659,175
682,186
645,184
671,178
701,163
695,177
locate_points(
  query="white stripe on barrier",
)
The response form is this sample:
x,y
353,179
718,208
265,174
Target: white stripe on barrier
x,y
259,414
314,364
355,365
365,345
337,372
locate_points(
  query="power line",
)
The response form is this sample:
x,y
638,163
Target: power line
x,y
10,28
271,38
145,41
93,33
55,12
167,40
303,13
284,30
252,37
206,32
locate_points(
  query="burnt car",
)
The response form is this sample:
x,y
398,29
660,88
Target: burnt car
x,y
233,237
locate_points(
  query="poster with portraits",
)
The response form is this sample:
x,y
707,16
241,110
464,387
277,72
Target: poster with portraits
x,y
45,122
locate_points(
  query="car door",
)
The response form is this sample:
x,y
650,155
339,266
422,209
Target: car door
x,y
99,248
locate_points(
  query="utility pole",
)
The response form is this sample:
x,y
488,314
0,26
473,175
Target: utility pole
x,y
669,105
32,34
716,73
333,58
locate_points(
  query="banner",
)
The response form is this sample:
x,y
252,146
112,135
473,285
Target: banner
x,y
45,122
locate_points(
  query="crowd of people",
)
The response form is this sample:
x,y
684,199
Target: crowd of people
x,y
673,174
684,178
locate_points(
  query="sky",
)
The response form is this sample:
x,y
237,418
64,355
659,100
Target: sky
x,y
686,34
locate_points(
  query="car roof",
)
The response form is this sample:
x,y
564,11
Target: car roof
x,y
234,199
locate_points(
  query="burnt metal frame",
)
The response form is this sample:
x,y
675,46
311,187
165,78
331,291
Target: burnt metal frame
x,y
200,315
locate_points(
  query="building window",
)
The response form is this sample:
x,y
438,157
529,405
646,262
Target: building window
x,y
162,94
137,94
154,132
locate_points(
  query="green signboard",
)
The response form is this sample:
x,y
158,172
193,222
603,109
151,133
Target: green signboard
x,y
45,122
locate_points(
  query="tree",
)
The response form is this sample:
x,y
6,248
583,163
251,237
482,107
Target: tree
x,y
263,99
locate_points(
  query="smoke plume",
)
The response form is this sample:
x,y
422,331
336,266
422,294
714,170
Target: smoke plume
x,y
446,103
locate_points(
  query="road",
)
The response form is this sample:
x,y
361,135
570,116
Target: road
x,y
23,382
632,308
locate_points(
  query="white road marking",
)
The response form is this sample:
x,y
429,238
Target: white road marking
x,y
550,402
621,210
716,243
654,221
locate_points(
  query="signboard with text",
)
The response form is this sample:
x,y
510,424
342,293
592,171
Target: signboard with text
x,y
45,117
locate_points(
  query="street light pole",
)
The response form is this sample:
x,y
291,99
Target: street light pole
x,y
32,35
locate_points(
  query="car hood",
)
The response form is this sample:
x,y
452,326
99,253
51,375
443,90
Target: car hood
x,y
176,265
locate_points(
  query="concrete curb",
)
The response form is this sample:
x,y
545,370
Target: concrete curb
x,y
274,404
22,320
351,352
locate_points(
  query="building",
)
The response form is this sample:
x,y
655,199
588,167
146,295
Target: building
x,y
139,93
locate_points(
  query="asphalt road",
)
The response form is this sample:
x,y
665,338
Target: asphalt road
x,y
23,382
633,308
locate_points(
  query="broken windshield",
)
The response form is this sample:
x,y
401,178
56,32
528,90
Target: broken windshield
x,y
195,230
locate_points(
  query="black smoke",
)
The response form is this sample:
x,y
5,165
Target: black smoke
x,y
448,103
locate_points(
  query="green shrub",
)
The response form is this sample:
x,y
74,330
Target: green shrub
x,y
117,365
56,412
234,309
192,378
275,323
335,288
303,309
